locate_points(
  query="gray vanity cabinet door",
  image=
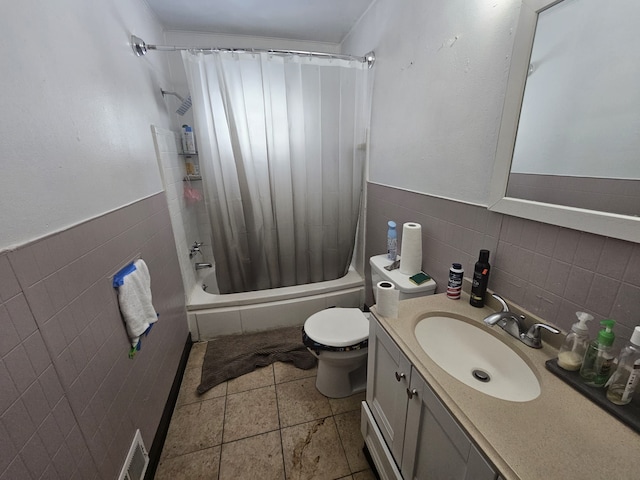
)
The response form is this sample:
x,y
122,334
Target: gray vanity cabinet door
x,y
435,447
389,374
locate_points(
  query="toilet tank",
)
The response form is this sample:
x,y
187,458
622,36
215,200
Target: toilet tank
x,y
407,288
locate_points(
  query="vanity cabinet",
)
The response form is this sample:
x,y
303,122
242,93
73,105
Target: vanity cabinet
x,y
388,378
420,438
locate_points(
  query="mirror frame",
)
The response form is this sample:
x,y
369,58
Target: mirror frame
x,y
613,225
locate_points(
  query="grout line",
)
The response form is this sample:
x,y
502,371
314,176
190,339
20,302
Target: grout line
x,y
279,428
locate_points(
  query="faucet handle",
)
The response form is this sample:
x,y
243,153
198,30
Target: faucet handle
x,y
195,248
533,336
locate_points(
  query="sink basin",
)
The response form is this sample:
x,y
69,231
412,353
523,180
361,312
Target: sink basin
x,y
477,358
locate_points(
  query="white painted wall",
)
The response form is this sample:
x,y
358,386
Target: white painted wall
x,y
440,81
77,106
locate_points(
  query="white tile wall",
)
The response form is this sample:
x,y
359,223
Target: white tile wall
x,y
222,321
286,313
252,318
189,220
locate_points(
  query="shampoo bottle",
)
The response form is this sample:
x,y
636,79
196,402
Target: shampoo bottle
x,y
392,241
598,359
188,140
480,279
575,345
625,379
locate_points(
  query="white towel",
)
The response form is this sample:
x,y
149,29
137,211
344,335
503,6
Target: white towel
x,y
134,296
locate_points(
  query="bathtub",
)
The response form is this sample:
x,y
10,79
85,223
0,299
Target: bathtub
x,y
211,315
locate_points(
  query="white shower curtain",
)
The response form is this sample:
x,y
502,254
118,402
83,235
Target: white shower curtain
x,y
282,151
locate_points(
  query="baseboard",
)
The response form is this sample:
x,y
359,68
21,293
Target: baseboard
x,y
372,465
165,420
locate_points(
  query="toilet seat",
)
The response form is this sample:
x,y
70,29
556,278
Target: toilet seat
x,y
336,329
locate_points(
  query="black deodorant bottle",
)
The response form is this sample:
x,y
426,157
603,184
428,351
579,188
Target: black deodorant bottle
x,y
480,279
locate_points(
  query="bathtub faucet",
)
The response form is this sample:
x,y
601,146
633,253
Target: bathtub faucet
x,y
200,266
195,249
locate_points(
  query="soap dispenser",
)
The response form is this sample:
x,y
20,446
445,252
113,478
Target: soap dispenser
x,y
598,359
627,376
575,344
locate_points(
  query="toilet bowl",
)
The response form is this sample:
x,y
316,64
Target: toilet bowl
x,y
338,338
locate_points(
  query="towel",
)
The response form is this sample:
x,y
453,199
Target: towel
x,y
134,297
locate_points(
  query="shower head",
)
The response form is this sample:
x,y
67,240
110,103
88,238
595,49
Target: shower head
x,y
186,102
185,106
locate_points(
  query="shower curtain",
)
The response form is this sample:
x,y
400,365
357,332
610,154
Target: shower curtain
x,y
282,145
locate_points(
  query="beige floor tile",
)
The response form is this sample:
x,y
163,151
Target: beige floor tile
x,y
195,426
347,404
313,451
349,430
286,372
299,401
252,458
250,413
364,475
190,382
260,377
200,465
196,356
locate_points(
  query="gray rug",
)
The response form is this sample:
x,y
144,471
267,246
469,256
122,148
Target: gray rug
x,y
234,355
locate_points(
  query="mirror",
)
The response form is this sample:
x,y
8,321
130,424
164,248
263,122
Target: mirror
x,y
570,135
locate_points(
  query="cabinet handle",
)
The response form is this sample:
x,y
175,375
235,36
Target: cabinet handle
x,y
411,393
400,376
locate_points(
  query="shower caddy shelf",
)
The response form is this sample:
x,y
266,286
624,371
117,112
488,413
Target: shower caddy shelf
x,y
188,178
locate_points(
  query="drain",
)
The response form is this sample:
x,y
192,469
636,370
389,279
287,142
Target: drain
x,y
481,375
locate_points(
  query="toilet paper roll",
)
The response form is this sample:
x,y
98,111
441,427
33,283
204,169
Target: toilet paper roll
x,y
411,249
388,298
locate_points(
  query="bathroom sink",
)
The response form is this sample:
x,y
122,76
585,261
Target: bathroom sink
x,y
477,358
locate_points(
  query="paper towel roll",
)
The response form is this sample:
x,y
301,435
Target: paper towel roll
x,y
411,249
387,301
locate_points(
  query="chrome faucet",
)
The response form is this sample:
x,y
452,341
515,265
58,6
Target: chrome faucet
x,y
200,266
514,325
195,249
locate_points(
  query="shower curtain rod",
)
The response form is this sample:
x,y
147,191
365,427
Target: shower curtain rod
x,y
140,48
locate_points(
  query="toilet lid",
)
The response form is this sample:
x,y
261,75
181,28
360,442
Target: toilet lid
x,y
337,327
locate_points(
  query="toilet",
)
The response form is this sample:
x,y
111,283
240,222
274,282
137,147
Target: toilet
x,y
407,288
339,337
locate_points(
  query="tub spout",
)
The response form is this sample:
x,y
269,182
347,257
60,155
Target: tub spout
x,y
200,266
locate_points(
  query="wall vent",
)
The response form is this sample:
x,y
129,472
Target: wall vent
x,y
137,460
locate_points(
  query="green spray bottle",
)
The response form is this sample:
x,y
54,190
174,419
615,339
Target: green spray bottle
x,y
598,359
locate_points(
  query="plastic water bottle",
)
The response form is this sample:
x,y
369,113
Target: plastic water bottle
x,y
625,380
392,241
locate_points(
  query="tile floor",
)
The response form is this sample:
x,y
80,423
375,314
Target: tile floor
x,y
269,424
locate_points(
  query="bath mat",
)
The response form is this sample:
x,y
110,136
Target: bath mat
x,y
234,355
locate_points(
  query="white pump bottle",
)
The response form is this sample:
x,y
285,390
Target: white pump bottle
x,y
575,345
